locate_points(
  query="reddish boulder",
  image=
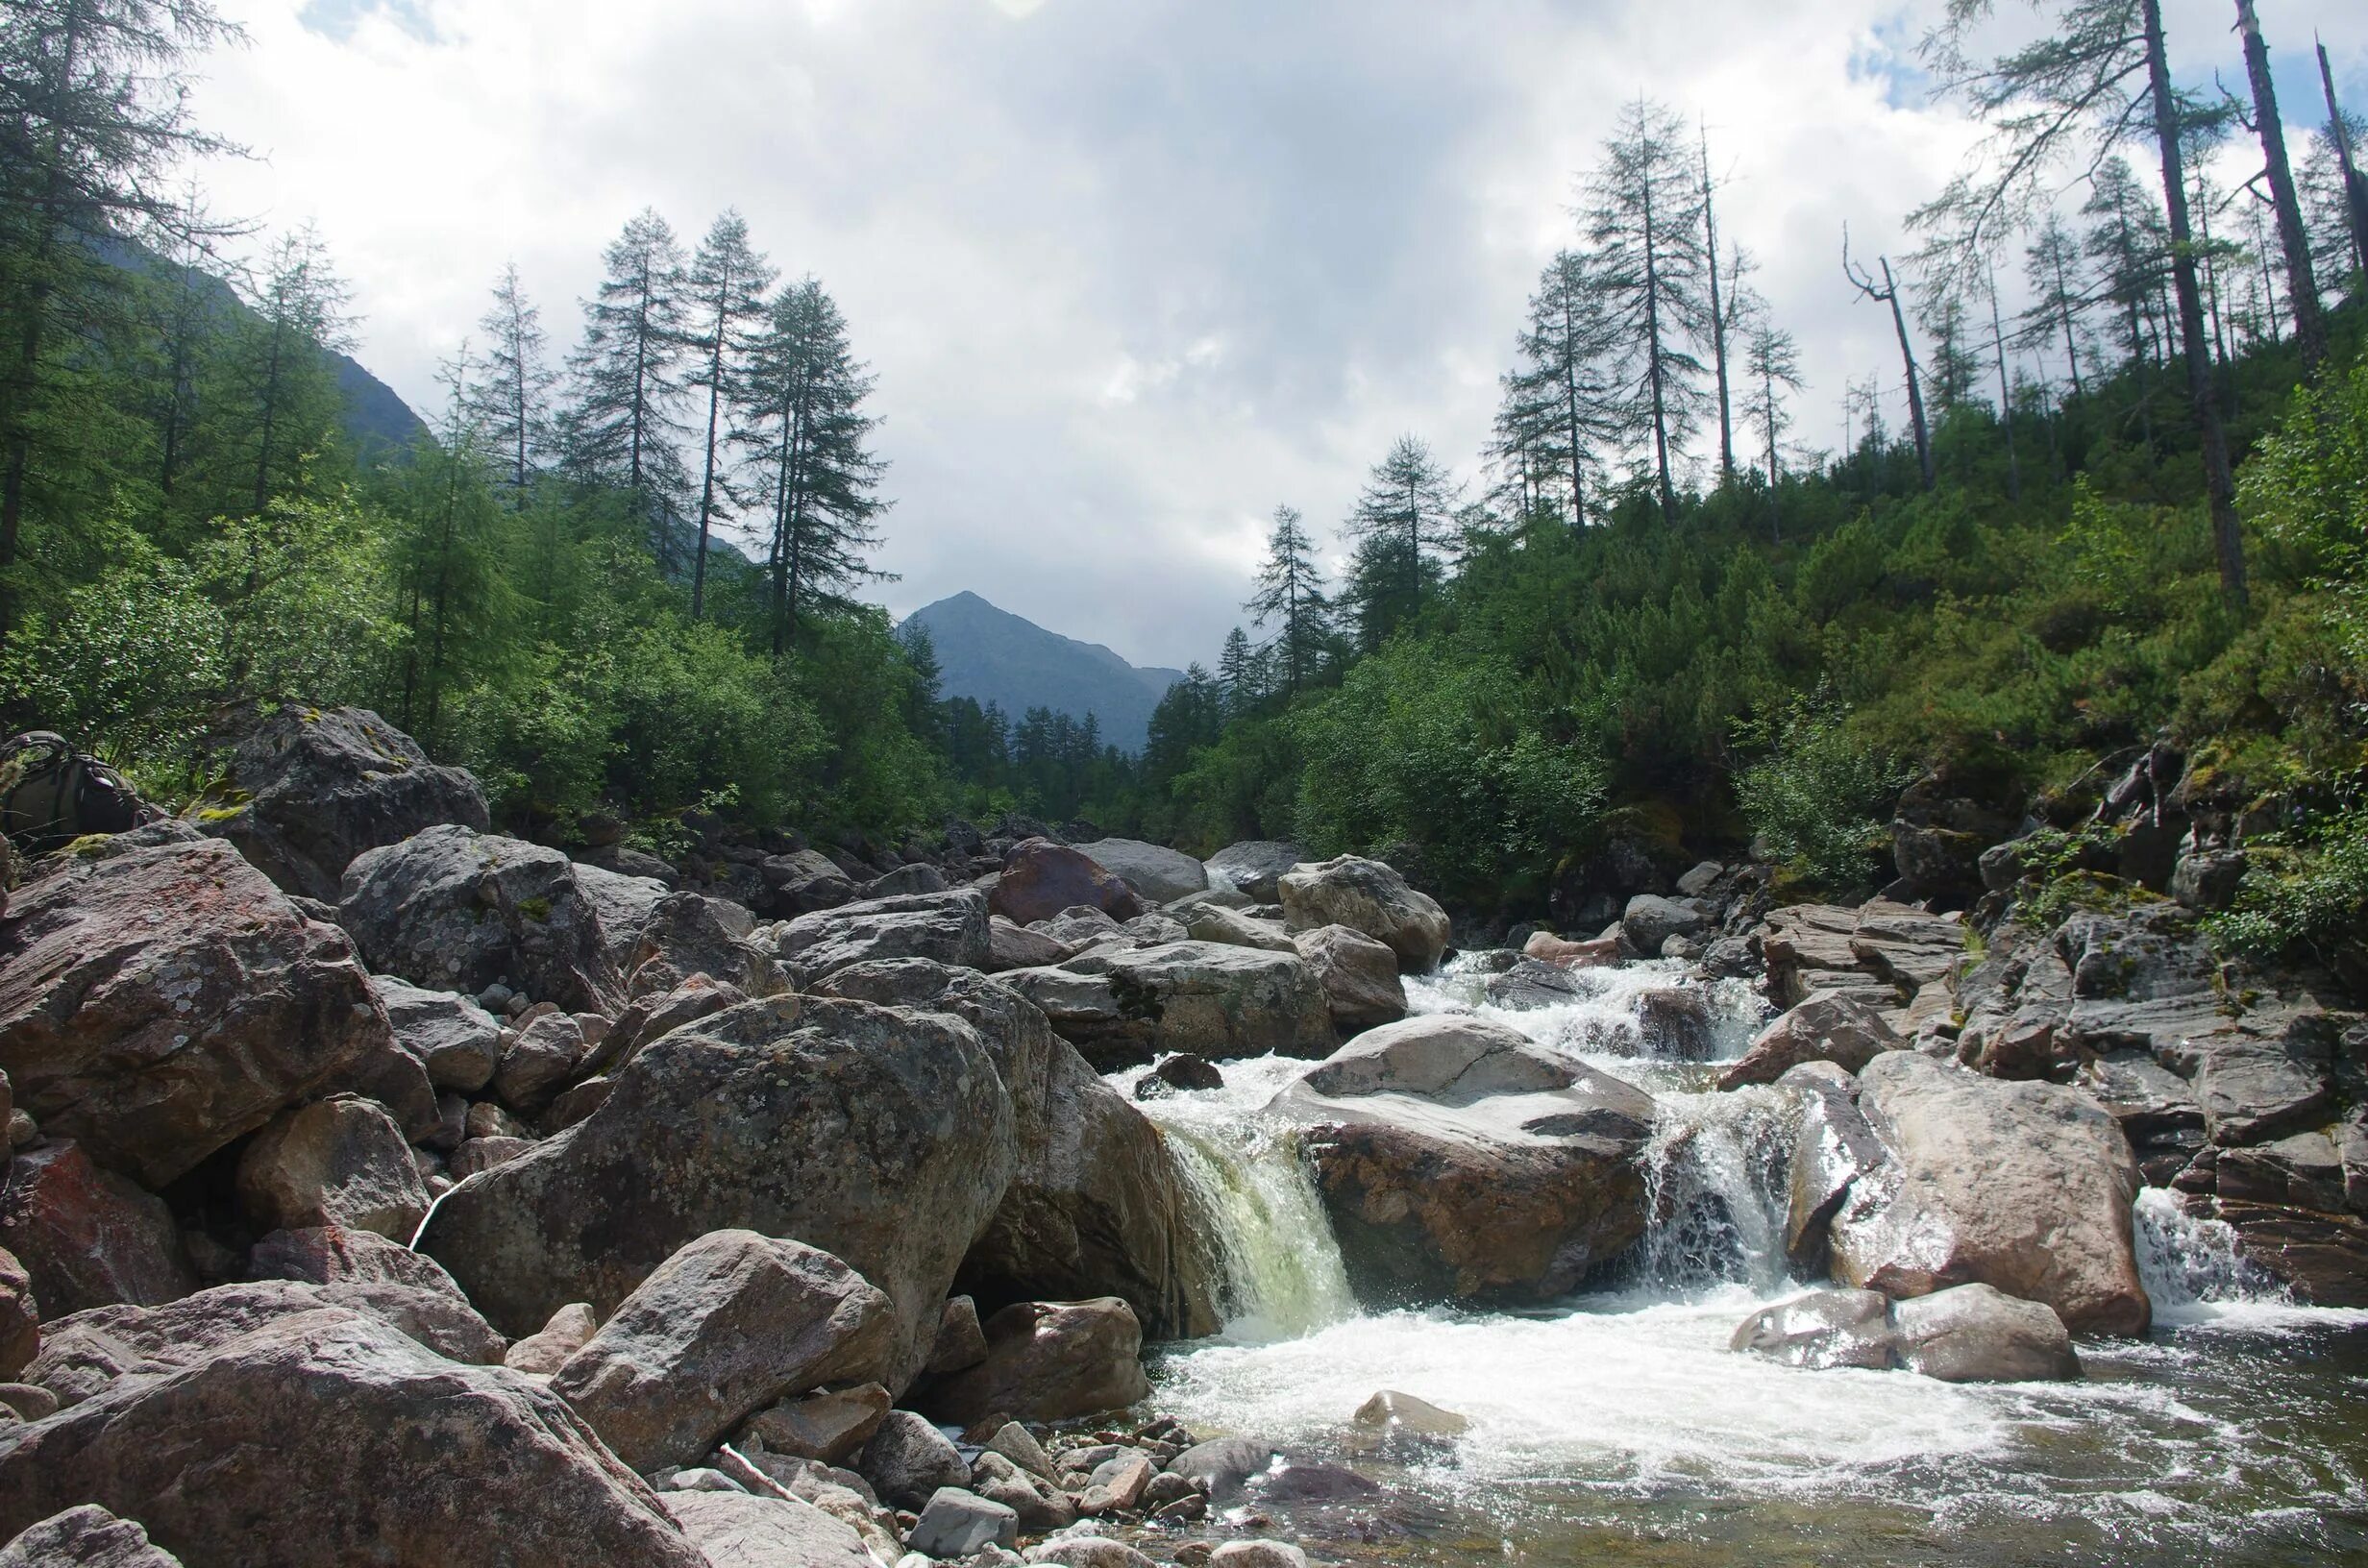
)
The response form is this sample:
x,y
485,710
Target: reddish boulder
x,y
1042,879
87,1238
159,1003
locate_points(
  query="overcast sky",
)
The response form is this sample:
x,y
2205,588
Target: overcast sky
x,y
1131,272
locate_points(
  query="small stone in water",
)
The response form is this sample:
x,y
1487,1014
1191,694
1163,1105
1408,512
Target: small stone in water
x,y
1258,1554
1405,1412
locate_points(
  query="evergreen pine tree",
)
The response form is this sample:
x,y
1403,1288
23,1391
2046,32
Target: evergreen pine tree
x,y
510,404
1404,517
811,436
1291,597
1772,361
725,298
622,428
1566,402
2055,269
282,359
1644,217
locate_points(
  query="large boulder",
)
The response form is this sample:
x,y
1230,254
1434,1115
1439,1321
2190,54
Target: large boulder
x,y
883,1137
312,788
1122,1007
455,1040
1369,897
908,1459
1965,1333
1458,1161
1359,976
804,881
2026,1186
1650,921
324,1438
1254,868
721,1329
1095,1206
455,908
1160,876
88,1237
1051,1361
156,1003
943,927
1214,922
1834,1028
733,1530
1042,879
84,1355
688,934
624,904
20,1317
336,1161
85,1537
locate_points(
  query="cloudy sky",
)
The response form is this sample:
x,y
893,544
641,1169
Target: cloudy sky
x,y
1130,272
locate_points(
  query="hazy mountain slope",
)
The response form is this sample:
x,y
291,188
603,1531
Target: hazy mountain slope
x,y
995,656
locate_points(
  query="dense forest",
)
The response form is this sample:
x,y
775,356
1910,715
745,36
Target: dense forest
x,y
2127,502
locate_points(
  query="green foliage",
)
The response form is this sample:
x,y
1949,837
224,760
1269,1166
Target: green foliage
x,y
2310,896
1818,797
1449,751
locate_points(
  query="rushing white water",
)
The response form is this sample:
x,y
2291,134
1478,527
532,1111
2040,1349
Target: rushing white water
x,y
1283,1270
1624,1412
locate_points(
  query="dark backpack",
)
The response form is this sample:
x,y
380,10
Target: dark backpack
x,y
51,794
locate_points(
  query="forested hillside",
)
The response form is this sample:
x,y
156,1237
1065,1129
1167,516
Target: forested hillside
x,y
2128,505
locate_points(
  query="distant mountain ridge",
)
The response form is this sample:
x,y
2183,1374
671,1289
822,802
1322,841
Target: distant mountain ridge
x,y
991,655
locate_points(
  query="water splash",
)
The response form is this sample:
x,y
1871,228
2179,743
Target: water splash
x,y
1717,1186
1619,1021
2187,1261
1282,1268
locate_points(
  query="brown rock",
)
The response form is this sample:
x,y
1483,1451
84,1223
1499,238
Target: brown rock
x,y
1828,1028
1051,1362
1359,976
960,1343
733,1529
540,1061
337,1162
718,1332
2025,1187
20,1317
87,1238
483,1154
827,1427
883,1134
1458,1161
156,1003
1549,948
1042,879
408,1459
571,1327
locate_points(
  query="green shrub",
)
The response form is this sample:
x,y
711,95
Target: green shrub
x,y
1818,798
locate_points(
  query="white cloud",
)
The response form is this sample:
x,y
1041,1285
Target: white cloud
x,y
1131,272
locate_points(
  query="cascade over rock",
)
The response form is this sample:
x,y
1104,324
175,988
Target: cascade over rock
x,y
1458,1160
2025,1187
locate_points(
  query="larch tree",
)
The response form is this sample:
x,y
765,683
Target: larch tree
x,y
1407,511
2097,77
1566,402
724,295
1290,598
2293,239
2345,134
622,428
1241,673
2336,198
510,401
93,125
1644,216
301,317
1728,309
805,426
2126,245
1772,359
2054,270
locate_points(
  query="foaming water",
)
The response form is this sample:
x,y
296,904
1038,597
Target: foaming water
x,y
1619,1428
1283,1270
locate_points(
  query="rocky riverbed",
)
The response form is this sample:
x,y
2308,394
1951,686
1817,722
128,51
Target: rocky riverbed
x,y
382,1188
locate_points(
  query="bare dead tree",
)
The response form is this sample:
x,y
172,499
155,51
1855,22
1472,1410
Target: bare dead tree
x,y
2301,287
2354,184
1888,294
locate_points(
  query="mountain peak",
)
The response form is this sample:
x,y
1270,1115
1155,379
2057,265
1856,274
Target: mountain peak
x,y
989,654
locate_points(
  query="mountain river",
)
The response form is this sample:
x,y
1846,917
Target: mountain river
x,y
1616,1428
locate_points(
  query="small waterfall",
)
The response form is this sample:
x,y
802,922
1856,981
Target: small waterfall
x,y
2186,1261
1282,1268
1716,1188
